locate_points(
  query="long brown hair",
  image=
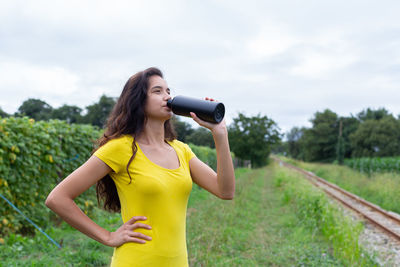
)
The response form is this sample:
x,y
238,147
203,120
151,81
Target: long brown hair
x,y
127,118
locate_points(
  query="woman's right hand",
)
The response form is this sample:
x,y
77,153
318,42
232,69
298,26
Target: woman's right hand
x,y
125,233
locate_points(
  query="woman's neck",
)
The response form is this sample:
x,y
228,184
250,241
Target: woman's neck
x,y
153,133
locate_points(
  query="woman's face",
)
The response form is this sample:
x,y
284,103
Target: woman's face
x,y
157,95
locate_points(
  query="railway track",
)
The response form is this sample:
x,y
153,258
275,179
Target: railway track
x,y
386,221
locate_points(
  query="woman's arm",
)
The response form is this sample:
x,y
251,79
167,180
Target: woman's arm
x,y
61,201
222,183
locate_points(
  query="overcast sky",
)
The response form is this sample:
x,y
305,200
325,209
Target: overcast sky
x,y
283,59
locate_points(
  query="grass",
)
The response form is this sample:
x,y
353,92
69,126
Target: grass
x,y
315,211
77,249
259,228
382,189
262,226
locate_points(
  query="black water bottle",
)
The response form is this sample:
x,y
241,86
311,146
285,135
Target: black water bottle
x,y
206,110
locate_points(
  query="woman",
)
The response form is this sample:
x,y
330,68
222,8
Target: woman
x,y
144,172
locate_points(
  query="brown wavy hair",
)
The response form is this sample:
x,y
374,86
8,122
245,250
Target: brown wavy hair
x,y
127,118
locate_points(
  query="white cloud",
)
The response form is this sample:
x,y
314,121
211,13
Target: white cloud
x,y
22,80
319,65
37,79
93,15
322,55
285,59
271,40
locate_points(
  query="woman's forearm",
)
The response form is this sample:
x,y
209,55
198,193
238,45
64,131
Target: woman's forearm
x,y
225,171
67,209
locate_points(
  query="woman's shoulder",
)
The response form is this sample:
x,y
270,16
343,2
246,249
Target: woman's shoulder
x,y
123,139
177,143
181,146
119,143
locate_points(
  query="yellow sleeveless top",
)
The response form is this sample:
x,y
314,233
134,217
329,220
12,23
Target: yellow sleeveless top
x,y
159,194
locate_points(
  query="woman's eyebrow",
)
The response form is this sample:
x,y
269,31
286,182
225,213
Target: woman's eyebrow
x,y
160,87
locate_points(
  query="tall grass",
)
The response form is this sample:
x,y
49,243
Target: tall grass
x,y
254,229
382,189
315,212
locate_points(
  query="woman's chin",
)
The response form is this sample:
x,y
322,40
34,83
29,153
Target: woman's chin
x,y
165,117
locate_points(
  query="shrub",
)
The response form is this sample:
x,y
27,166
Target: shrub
x,y
34,157
205,154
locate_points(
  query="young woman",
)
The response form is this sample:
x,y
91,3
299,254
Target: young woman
x,y
144,172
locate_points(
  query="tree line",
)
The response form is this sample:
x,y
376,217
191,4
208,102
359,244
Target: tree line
x,y
39,110
370,133
251,137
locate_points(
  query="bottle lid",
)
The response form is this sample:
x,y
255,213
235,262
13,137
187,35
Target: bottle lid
x,y
169,102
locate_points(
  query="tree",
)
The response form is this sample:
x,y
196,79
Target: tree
x,y
97,113
182,129
320,142
250,138
36,109
349,126
293,142
201,137
3,113
371,114
280,148
377,138
71,114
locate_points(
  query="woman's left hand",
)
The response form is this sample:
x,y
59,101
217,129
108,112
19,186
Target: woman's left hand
x,y
215,128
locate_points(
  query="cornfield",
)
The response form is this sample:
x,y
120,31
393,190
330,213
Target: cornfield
x,y
370,165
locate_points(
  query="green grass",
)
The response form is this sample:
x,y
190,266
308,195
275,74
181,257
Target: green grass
x,y
257,228
382,189
260,227
314,211
77,249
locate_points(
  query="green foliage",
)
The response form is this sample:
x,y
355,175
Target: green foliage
x,y
315,212
255,229
205,154
349,126
77,249
340,150
201,137
370,114
382,189
377,138
250,138
320,141
34,157
35,109
279,148
97,113
70,114
294,146
377,164
340,145
3,113
372,133
182,129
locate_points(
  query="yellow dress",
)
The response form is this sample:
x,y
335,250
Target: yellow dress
x,y
159,194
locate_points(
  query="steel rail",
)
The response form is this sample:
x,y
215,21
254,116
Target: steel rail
x,y
314,179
